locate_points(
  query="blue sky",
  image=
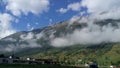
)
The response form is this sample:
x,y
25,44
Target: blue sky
x,y
30,21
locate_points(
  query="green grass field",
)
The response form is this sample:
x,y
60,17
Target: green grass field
x,y
33,66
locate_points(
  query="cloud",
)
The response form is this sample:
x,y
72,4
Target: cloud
x,y
32,28
39,36
73,6
29,27
103,9
10,39
27,37
101,5
97,8
62,10
5,25
30,39
31,44
18,7
9,48
73,19
114,14
89,35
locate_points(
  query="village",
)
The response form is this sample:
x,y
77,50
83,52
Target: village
x,y
16,60
12,59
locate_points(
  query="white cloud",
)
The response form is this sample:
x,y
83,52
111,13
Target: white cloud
x,y
62,10
32,28
29,27
27,37
10,39
91,34
50,22
18,7
101,5
40,35
5,25
114,14
32,44
73,6
103,8
60,42
73,19
9,48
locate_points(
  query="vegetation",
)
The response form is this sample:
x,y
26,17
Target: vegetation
x,y
103,54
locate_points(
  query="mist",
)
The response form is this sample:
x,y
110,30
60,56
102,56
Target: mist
x,y
92,34
28,40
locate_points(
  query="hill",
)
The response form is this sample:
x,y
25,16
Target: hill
x,y
71,42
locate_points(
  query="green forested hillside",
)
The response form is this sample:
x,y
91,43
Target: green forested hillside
x,y
104,54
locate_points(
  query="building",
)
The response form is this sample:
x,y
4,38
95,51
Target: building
x,y
16,60
5,60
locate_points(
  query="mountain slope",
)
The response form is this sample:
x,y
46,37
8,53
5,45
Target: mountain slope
x,y
68,42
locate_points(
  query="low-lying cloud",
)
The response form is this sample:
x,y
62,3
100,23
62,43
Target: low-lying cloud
x,y
92,34
97,10
28,40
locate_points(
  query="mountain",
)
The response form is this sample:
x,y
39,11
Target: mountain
x,y
71,42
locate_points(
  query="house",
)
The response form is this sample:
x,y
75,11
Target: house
x,y
16,60
7,60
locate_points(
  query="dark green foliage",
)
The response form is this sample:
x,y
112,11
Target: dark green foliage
x,y
106,54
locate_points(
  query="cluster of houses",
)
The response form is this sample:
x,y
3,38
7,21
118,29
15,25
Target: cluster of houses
x,y
16,60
